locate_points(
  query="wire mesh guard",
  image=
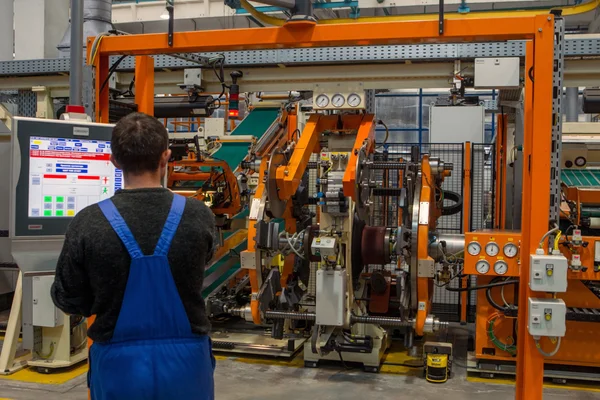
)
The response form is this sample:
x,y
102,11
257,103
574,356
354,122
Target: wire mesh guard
x,y
482,188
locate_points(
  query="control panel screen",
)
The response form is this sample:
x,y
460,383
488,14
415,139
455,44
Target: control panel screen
x,y
67,175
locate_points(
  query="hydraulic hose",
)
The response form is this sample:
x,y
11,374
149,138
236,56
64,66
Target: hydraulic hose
x,y
571,10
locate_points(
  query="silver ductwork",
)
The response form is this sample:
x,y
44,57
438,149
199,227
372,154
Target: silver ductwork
x,y
97,18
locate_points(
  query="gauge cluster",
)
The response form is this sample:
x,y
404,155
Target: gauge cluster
x,y
493,253
339,101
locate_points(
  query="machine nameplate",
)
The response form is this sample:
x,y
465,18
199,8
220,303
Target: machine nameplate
x,y
426,269
424,213
248,260
254,209
422,306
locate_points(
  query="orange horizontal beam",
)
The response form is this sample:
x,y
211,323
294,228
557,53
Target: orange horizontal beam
x,y
294,36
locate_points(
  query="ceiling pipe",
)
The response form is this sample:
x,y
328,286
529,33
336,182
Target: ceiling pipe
x,y
97,19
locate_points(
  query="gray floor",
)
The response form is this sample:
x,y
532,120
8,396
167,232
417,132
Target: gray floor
x,y
237,380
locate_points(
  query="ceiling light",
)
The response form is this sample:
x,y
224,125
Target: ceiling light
x,y
164,15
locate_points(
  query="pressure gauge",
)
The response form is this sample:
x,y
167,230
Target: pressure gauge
x,y
322,100
580,161
338,100
501,267
354,100
474,248
510,250
482,267
492,249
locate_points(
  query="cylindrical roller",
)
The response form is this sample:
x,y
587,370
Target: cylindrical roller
x,y
455,243
387,165
387,191
374,248
295,316
355,319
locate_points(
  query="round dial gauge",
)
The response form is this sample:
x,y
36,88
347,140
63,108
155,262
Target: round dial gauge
x,y
501,267
482,267
492,249
510,250
580,161
474,248
354,100
338,100
322,100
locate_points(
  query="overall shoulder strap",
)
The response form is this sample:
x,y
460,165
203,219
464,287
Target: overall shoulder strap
x,y
171,225
120,227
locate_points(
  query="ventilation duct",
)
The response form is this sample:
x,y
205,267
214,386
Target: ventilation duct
x,y
96,19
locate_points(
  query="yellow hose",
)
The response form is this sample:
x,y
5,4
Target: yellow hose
x,y
571,10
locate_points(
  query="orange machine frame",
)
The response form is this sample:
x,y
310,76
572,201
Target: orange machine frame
x,y
538,31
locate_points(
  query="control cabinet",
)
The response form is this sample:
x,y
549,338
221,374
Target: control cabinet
x,y
547,317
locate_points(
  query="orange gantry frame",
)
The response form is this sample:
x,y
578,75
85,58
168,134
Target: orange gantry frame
x,y
538,31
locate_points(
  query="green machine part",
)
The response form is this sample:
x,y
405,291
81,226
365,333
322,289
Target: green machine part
x,y
256,124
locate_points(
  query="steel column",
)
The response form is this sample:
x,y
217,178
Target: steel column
x,y
536,194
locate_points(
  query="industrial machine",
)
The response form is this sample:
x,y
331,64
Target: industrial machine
x,y
58,168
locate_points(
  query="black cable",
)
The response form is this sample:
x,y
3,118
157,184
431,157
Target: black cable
x,y
111,71
343,363
530,73
489,285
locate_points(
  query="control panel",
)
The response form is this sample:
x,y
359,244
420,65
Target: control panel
x,y
548,273
547,317
494,253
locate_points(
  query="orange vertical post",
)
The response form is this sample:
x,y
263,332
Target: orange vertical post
x,y
144,84
101,64
536,193
499,211
503,155
466,222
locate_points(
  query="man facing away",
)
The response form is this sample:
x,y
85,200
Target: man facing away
x,y
136,261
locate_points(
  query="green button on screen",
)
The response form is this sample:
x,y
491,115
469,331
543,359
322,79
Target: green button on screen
x,y
47,213
60,199
47,199
59,213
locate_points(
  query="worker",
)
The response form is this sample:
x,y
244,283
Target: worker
x,y
136,261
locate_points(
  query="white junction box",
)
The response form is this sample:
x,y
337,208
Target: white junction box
x,y
547,317
331,297
548,273
456,124
497,73
324,246
44,312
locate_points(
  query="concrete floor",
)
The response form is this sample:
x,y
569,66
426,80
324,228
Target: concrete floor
x,y
237,380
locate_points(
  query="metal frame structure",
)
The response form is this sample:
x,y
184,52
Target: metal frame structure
x,y
538,32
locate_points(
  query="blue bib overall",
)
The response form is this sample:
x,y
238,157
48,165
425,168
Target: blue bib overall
x,y
153,354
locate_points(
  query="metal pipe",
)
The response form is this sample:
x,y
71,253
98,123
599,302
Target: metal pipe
x,y
76,75
572,100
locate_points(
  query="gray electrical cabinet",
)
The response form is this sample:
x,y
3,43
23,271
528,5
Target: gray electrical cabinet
x,y
456,124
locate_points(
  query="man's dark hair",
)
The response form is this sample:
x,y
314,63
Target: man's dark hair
x,y
138,141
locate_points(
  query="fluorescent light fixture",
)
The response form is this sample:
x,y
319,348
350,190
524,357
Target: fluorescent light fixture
x,y
164,15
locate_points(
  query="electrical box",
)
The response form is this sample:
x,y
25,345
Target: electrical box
x,y
456,124
497,73
44,312
547,317
324,246
548,273
331,297
214,127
